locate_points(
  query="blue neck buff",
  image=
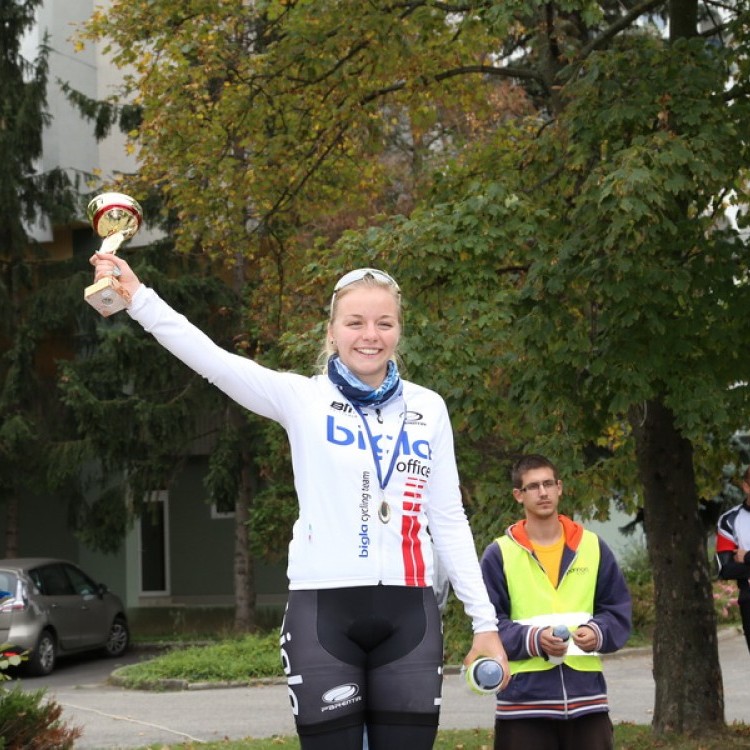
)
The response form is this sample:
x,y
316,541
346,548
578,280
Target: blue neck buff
x,y
360,393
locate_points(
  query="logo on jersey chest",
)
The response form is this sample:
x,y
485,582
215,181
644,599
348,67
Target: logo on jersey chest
x,y
337,434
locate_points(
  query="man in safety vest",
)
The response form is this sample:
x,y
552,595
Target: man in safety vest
x,y
548,573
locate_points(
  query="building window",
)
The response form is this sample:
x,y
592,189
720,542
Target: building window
x,y
154,544
222,510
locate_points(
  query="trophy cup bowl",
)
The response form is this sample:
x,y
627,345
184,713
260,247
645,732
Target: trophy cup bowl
x,y
115,217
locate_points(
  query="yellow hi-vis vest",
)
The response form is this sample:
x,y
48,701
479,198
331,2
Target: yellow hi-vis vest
x,y
535,601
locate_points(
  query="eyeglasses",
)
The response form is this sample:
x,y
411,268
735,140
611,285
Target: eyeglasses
x,y
535,487
360,273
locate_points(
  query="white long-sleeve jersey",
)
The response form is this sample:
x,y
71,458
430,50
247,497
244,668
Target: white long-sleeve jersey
x,y
340,539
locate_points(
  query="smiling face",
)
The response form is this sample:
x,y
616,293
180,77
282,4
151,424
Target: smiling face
x,y
365,330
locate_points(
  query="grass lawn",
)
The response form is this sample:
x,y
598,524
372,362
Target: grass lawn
x,y
627,737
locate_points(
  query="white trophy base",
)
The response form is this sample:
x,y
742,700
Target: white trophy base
x,y
107,296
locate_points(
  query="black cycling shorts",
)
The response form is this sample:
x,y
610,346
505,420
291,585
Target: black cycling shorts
x,y
368,654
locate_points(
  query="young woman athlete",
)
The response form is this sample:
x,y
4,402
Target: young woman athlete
x,y
374,468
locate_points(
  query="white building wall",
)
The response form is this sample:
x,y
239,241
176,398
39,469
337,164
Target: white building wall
x,y
69,141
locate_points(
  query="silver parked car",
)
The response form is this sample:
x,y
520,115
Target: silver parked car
x,y
52,608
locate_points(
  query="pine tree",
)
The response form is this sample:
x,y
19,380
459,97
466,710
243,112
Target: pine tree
x,y
27,196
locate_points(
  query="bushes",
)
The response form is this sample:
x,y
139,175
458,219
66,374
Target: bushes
x,y
725,603
10,656
457,631
28,722
637,572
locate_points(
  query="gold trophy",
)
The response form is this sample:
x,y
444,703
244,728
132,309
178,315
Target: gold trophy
x,y
116,218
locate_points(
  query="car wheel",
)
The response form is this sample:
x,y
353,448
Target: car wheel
x,y
42,659
118,639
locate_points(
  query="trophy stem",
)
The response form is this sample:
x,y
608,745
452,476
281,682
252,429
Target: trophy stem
x,y
111,243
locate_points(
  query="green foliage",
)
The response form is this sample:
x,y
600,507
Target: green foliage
x,y
457,632
533,235
125,372
31,721
639,576
647,157
23,111
10,656
636,566
235,660
644,610
29,415
224,473
217,79
190,625
272,518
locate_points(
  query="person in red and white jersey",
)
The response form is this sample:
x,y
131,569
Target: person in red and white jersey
x,y
374,466
733,551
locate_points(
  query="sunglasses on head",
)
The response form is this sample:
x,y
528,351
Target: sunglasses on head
x,y
362,273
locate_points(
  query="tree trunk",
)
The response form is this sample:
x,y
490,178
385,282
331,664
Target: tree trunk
x,y
689,690
11,526
244,573
244,565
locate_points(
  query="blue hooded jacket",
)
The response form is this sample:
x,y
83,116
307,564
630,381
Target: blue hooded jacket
x,y
561,692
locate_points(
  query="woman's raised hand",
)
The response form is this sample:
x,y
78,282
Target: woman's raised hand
x,y
109,264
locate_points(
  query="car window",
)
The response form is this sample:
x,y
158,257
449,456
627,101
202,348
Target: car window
x,y
37,579
82,584
7,583
52,581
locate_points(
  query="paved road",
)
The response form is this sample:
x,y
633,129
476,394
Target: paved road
x,y
115,718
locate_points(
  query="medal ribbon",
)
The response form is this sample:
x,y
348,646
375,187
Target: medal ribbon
x,y
382,481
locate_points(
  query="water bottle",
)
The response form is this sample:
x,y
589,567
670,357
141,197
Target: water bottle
x,y
561,631
483,676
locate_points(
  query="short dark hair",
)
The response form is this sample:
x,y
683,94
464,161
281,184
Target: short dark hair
x,y
527,463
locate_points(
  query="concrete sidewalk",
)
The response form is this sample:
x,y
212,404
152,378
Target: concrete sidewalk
x,y
117,718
